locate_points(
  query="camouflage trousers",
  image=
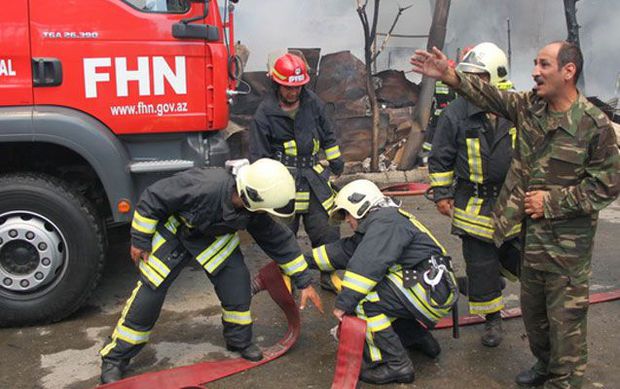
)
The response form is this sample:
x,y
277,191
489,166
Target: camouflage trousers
x,y
555,308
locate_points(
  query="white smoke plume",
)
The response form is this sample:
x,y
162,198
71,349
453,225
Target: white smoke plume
x,y
333,25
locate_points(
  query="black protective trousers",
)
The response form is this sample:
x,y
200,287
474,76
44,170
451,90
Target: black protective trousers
x,y
232,287
485,265
316,224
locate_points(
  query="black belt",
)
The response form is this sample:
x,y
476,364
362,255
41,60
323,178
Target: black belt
x,y
412,275
488,190
299,162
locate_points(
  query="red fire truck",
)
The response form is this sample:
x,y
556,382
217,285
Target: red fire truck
x,y
98,99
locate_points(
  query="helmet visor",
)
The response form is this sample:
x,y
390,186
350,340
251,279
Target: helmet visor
x,y
285,211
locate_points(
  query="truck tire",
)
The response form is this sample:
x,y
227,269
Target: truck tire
x,y
51,249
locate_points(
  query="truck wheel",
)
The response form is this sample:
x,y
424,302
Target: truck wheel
x,y
51,249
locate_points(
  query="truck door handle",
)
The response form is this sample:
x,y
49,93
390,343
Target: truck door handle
x,y
46,72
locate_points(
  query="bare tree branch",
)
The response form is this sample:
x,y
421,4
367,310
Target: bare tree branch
x,y
401,10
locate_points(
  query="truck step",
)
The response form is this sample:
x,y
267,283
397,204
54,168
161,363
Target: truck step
x,y
160,166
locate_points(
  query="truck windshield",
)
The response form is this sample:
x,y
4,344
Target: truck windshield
x,y
164,6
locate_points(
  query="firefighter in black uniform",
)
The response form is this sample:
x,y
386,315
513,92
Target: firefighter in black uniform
x,y
441,98
397,278
291,126
471,154
196,215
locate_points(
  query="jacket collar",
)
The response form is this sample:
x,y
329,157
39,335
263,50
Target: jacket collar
x,y
272,104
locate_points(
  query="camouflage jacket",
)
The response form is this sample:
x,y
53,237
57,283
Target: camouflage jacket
x,y
572,155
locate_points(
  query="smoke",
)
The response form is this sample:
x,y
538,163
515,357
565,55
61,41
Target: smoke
x,y
333,25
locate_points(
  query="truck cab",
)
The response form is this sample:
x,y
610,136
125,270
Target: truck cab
x,y
98,99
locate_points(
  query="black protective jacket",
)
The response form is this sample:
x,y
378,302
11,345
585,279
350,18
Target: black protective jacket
x,y
297,143
469,161
201,199
386,239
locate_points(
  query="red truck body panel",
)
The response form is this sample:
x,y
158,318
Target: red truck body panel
x,y
119,64
15,67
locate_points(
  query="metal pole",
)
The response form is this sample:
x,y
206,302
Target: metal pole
x,y
509,45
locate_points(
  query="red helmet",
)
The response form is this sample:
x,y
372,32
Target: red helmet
x,y
290,70
451,64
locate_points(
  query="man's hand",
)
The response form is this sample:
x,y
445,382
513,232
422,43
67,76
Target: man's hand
x,y
310,293
434,65
445,206
138,254
534,201
339,313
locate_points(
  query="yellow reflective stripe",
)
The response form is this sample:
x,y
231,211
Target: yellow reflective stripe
x,y
329,203
378,323
237,317
482,308
217,260
513,136
318,168
131,336
504,85
302,196
422,228
278,74
157,242
159,266
442,179
316,146
426,146
295,266
110,346
150,273
485,221
357,282
514,230
301,206
373,351
209,252
373,297
143,224
319,254
474,159
332,153
474,205
417,298
441,88
172,224
290,148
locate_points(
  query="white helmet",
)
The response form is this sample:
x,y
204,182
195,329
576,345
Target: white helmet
x,y
486,58
266,185
357,197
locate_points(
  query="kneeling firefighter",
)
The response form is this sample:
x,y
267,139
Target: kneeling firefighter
x,y
196,215
397,278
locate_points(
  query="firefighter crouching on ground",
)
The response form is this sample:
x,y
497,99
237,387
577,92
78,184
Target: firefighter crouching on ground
x,y
291,126
397,279
471,154
196,215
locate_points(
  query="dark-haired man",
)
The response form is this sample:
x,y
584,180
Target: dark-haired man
x,y
565,169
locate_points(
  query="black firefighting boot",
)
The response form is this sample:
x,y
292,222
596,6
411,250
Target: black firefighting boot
x,y
251,352
493,333
427,344
327,283
112,371
401,372
531,378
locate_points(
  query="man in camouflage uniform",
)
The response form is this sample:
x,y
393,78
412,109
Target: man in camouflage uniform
x,y
565,170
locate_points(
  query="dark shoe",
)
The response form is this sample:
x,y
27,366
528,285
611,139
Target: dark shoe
x,y
530,377
428,345
112,371
493,333
389,372
251,352
326,282
461,282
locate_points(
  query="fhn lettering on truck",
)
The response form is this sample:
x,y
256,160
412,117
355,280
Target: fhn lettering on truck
x,y
97,71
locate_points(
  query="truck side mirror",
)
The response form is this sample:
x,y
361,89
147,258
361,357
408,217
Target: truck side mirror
x,y
182,30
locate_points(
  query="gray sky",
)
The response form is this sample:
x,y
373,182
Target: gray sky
x,y
333,25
